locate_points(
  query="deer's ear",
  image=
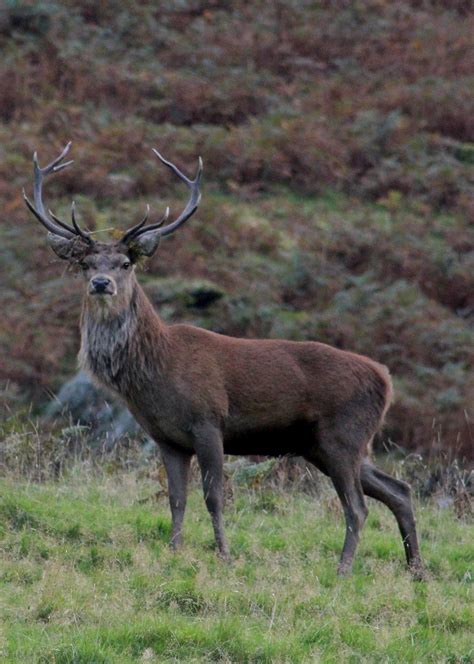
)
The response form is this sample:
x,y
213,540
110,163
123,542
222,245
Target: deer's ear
x,y
144,245
64,248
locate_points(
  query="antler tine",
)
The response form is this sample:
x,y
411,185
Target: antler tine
x,y
194,199
39,174
57,226
163,218
131,232
78,230
52,228
141,229
153,227
54,165
189,210
175,169
58,221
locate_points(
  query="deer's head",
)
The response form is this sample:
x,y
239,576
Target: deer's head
x,y
107,267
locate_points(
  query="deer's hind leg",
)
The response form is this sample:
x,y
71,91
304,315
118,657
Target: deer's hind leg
x,y
396,495
338,455
209,449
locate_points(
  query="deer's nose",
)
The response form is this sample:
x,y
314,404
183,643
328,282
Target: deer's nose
x,y
100,284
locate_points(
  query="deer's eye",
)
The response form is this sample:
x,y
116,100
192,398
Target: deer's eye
x,y
126,265
84,266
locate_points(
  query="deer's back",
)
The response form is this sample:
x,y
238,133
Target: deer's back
x,y
273,384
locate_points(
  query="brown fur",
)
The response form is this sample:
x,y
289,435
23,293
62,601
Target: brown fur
x,y
197,392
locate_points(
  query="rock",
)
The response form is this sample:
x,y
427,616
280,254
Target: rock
x,y
443,502
106,419
191,293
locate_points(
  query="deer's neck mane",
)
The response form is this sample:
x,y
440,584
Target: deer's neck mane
x,y
123,348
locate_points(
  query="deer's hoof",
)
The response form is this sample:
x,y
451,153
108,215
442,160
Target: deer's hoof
x,y
344,569
224,555
418,572
175,545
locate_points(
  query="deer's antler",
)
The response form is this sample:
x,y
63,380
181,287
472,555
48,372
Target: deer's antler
x,y
50,221
189,210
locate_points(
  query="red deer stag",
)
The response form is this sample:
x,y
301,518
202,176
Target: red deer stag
x,y
197,392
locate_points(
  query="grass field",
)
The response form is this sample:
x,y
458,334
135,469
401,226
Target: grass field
x,y
87,577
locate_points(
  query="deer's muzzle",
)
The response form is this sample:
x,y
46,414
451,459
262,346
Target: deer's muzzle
x,y
102,285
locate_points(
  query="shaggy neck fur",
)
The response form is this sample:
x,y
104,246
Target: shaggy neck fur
x,y
123,343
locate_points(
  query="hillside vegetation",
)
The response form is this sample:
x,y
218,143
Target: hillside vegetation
x,y
338,143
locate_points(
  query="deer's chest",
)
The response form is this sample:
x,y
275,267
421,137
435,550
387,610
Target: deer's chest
x,y
106,352
160,418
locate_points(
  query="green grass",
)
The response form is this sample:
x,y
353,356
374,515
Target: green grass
x,y
87,577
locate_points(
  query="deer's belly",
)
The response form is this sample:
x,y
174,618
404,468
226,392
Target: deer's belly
x,y
295,439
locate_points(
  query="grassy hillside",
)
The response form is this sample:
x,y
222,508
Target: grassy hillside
x,y
338,148
87,577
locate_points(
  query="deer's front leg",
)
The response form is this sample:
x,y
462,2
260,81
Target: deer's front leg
x,y
210,454
177,464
